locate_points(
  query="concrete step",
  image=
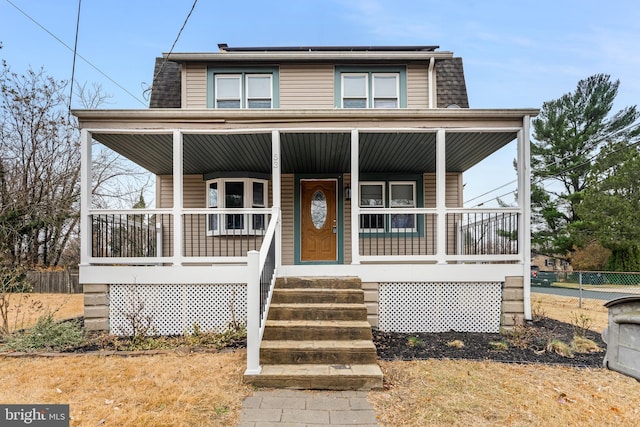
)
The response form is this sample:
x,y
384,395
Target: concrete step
x,y
318,282
318,352
319,377
302,330
317,296
328,311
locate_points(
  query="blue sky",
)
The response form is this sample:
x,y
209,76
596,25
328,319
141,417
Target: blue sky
x,y
516,54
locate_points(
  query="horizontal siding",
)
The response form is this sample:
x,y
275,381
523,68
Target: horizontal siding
x,y
417,86
347,221
453,198
196,86
194,194
287,184
306,86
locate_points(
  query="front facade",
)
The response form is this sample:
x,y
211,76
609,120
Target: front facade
x,y
311,161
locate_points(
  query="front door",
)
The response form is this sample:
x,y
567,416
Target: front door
x,y
318,228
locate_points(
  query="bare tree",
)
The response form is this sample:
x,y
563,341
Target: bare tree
x,y
40,168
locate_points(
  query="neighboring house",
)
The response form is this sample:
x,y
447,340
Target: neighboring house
x,y
330,161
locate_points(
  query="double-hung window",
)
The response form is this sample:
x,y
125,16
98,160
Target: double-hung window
x,y
235,194
401,194
243,89
385,88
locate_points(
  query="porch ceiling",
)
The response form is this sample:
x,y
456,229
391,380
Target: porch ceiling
x,y
307,152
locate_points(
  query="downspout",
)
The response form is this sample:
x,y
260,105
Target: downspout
x,y
432,63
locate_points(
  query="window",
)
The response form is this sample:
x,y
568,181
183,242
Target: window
x,y
402,194
235,194
354,91
372,196
382,88
237,88
385,91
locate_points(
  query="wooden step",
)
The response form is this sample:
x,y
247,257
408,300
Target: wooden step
x,y
319,377
317,296
328,311
318,283
318,352
300,330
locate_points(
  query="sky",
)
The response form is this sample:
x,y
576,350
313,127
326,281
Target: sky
x,y
516,54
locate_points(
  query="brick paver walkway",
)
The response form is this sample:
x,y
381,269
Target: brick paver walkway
x,y
301,408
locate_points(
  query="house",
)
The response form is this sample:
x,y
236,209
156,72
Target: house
x,y
282,162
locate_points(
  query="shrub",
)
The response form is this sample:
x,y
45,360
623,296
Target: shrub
x,y
47,334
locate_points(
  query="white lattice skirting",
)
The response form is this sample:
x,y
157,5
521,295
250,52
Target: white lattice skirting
x,y
440,307
175,309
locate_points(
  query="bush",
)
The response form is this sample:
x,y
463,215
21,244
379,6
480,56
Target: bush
x,y
47,334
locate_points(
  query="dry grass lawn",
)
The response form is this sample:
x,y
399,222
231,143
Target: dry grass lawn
x,y
566,309
171,390
25,309
207,389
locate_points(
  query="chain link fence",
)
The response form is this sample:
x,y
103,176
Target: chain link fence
x,y
586,289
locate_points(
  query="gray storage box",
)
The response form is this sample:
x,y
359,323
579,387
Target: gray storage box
x,y
623,336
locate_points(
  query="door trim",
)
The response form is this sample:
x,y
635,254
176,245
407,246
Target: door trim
x,y
339,217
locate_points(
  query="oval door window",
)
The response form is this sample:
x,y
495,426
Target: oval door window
x,y
318,209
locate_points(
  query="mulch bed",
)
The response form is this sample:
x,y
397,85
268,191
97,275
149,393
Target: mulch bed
x,y
527,344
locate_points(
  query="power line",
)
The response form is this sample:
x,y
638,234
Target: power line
x,y
184,24
79,56
75,54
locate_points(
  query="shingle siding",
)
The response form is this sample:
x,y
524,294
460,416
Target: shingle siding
x,y
450,83
166,90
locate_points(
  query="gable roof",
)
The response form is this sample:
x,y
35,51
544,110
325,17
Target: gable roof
x,y
450,83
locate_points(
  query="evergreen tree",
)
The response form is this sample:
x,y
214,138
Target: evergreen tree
x,y
567,136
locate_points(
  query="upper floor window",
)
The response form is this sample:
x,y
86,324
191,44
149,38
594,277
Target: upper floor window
x,y
383,88
236,193
254,88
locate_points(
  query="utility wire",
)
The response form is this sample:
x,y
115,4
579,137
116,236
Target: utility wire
x,y
75,54
184,24
79,56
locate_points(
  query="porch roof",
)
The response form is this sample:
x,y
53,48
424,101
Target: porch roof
x,y
317,142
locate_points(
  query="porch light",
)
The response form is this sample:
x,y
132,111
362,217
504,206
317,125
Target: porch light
x,y
347,193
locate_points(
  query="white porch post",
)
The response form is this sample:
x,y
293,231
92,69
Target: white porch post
x,y
276,178
441,190
85,196
355,197
253,313
177,196
524,189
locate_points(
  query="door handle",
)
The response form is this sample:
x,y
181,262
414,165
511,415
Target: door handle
x,y
334,229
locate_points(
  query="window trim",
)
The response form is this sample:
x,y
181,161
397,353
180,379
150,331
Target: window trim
x,y
248,226
388,180
400,71
414,193
383,185
212,72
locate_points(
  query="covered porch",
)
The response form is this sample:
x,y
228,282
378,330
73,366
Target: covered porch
x,y
184,242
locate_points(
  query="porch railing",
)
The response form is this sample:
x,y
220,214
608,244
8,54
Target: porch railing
x,y
262,276
412,234
471,232
147,236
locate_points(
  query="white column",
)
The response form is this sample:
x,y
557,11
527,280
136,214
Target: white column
x,y
524,200
85,196
276,189
355,197
177,196
441,196
253,314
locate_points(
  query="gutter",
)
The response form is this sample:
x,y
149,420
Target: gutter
x,y
432,63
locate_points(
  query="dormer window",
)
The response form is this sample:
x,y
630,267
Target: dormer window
x,y
383,88
252,88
